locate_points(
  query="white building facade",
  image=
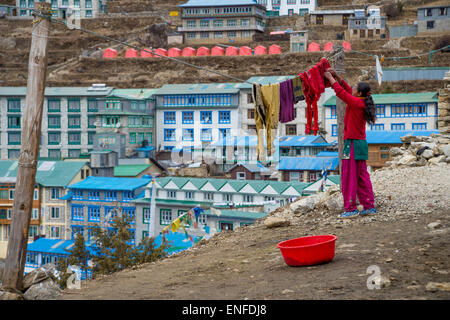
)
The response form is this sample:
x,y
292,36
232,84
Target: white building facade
x,y
288,7
65,8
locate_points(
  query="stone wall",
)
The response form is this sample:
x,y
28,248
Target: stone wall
x,y
444,106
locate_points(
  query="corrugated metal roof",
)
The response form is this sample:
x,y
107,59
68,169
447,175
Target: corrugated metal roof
x,y
53,246
48,173
237,214
393,137
177,242
107,183
58,91
308,163
302,141
252,167
217,3
199,88
328,154
129,170
133,94
396,98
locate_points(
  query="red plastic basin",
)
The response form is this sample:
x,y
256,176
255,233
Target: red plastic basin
x,y
307,251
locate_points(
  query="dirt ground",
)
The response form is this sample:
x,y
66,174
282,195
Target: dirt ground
x,y
246,264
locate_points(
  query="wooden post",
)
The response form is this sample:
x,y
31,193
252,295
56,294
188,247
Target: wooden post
x,y
31,133
340,106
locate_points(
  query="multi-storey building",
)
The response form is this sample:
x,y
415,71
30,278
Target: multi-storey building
x,y
395,111
218,21
68,120
129,112
93,202
367,26
433,19
65,8
331,17
191,116
277,8
176,195
49,214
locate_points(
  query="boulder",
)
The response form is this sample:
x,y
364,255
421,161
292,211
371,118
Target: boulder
x,y
8,43
10,294
44,290
407,160
427,154
421,162
438,286
436,160
410,138
38,275
395,151
421,150
446,150
273,222
308,203
434,225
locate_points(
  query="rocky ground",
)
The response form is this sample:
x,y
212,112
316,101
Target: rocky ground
x,y
408,241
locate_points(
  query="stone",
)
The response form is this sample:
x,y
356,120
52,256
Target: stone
x,y
2,267
421,162
384,281
421,150
446,150
434,225
395,151
308,203
273,222
438,286
436,160
38,275
287,291
427,154
8,43
407,160
44,290
10,294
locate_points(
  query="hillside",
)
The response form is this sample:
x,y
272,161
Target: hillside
x,y
246,264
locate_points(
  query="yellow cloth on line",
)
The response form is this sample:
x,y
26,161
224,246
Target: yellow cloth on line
x,y
271,99
176,225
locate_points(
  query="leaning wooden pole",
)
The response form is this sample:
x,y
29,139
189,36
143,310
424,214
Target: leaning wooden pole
x,y
340,106
31,133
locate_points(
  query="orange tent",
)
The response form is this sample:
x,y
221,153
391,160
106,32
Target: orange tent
x,y
131,53
146,53
189,52
217,51
203,51
160,52
328,46
231,51
245,51
313,47
274,49
174,52
259,50
109,53
347,46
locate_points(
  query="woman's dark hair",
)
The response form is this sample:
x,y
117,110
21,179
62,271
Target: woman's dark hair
x,y
370,111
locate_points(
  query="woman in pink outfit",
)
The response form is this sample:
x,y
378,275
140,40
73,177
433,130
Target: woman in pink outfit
x,y
355,179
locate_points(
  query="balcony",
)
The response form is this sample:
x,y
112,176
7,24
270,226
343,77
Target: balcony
x,y
224,28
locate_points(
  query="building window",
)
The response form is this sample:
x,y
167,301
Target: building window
x,y
206,134
191,35
113,105
165,216
54,153
74,122
428,12
191,24
13,153
225,226
224,117
111,196
231,23
54,121
419,126
54,194
14,138
169,117
442,11
94,214
127,196
54,105
188,117
55,232
74,153
228,197
334,130
291,129
223,133
240,176
146,215
204,23
245,34
397,126
245,22
204,35
14,105
14,122
111,121
380,110
294,176
206,117
74,137
377,126
54,213
33,231
231,34
218,35
73,105
11,194
430,24
77,213
248,198
171,194
189,195
92,105
188,134
208,196
302,12
250,113
333,112
54,137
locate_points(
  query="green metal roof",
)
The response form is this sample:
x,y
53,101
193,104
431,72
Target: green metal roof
x,y
133,94
335,179
58,91
199,88
237,214
396,98
48,173
130,170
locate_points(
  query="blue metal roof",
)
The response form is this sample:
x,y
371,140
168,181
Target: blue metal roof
x,y
328,154
53,246
145,149
177,241
217,3
302,141
308,163
107,183
386,136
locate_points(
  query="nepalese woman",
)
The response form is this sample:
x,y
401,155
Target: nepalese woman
x,y
355,179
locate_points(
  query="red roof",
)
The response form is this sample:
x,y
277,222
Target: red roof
x,y
203,51
109,53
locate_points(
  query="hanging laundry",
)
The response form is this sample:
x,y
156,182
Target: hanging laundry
x,y
271,99
314,85
260,119
175,225
298,91
287,111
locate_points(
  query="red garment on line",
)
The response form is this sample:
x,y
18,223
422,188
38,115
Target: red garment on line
x,y
314,85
